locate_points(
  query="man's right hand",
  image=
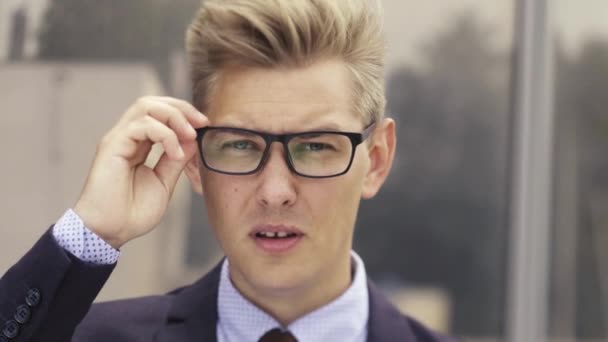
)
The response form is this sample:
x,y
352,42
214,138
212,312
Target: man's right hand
x,y
122,198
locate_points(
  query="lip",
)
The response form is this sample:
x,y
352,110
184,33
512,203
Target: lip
x,y
276,246
275,228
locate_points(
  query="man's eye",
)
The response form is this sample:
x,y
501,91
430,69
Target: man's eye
x,y
238,145
315,147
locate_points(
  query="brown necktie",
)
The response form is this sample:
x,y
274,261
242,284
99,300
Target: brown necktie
x,y
276,335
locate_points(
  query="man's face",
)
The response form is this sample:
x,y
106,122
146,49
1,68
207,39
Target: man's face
x,y
323,211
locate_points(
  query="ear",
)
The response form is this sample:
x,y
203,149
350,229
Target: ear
x,y
192,170
381,154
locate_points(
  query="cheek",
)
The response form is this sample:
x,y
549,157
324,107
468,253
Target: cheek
x,y
222,199
218,186
336,204
347,196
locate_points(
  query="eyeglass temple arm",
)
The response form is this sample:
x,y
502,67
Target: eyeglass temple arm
x,y
368,130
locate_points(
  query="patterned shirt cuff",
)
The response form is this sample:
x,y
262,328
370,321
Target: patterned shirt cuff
x,y
71,234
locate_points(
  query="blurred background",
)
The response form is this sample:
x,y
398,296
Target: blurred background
x,y
460,237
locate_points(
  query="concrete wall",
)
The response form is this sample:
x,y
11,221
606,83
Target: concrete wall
x,y
52,117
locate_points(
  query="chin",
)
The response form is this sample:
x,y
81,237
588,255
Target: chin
x,y
280,279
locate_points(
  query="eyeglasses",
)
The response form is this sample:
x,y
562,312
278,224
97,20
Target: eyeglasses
x,y
316,154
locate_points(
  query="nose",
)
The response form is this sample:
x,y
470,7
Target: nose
x,y
277,183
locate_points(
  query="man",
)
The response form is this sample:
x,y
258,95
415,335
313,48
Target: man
x,y
293,136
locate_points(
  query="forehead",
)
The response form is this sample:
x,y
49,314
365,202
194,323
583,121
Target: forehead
x,y
285,99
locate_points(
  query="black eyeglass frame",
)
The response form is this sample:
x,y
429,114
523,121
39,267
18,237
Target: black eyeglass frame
x,y
355,139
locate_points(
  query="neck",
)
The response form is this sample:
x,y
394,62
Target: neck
x,y
288,305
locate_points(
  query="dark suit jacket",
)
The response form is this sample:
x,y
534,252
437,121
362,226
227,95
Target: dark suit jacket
x,y
47,296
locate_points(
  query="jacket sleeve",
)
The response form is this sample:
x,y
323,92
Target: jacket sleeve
x,y
47,293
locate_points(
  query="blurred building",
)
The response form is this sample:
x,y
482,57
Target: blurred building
x,y
47,110
20,22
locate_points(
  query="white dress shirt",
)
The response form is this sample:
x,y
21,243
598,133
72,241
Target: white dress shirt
x,y
71,234
343,319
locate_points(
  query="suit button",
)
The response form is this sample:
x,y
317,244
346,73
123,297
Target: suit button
x,y
33,297
23,314
11,329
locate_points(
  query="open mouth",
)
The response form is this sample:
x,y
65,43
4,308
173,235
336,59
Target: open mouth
x,y
275,235
276,239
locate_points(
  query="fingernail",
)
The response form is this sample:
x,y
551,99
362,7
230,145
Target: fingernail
x,y
190,128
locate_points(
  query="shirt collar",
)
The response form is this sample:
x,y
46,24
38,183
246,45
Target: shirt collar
x,y
343,319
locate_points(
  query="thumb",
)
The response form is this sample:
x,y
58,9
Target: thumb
x,y
168,170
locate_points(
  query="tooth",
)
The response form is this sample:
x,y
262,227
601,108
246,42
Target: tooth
x,y
270,234
281,234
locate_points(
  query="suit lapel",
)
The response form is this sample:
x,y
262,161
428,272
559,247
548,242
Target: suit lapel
x,y
193,313
385,322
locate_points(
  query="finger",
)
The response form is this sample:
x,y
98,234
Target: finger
x,y
150,129
168,170
142,152
142,105
195,117
172,117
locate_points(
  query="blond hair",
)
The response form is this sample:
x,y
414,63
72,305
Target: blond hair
x,y
290,33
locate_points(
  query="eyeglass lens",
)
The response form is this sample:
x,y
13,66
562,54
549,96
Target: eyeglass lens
x,y
235,151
